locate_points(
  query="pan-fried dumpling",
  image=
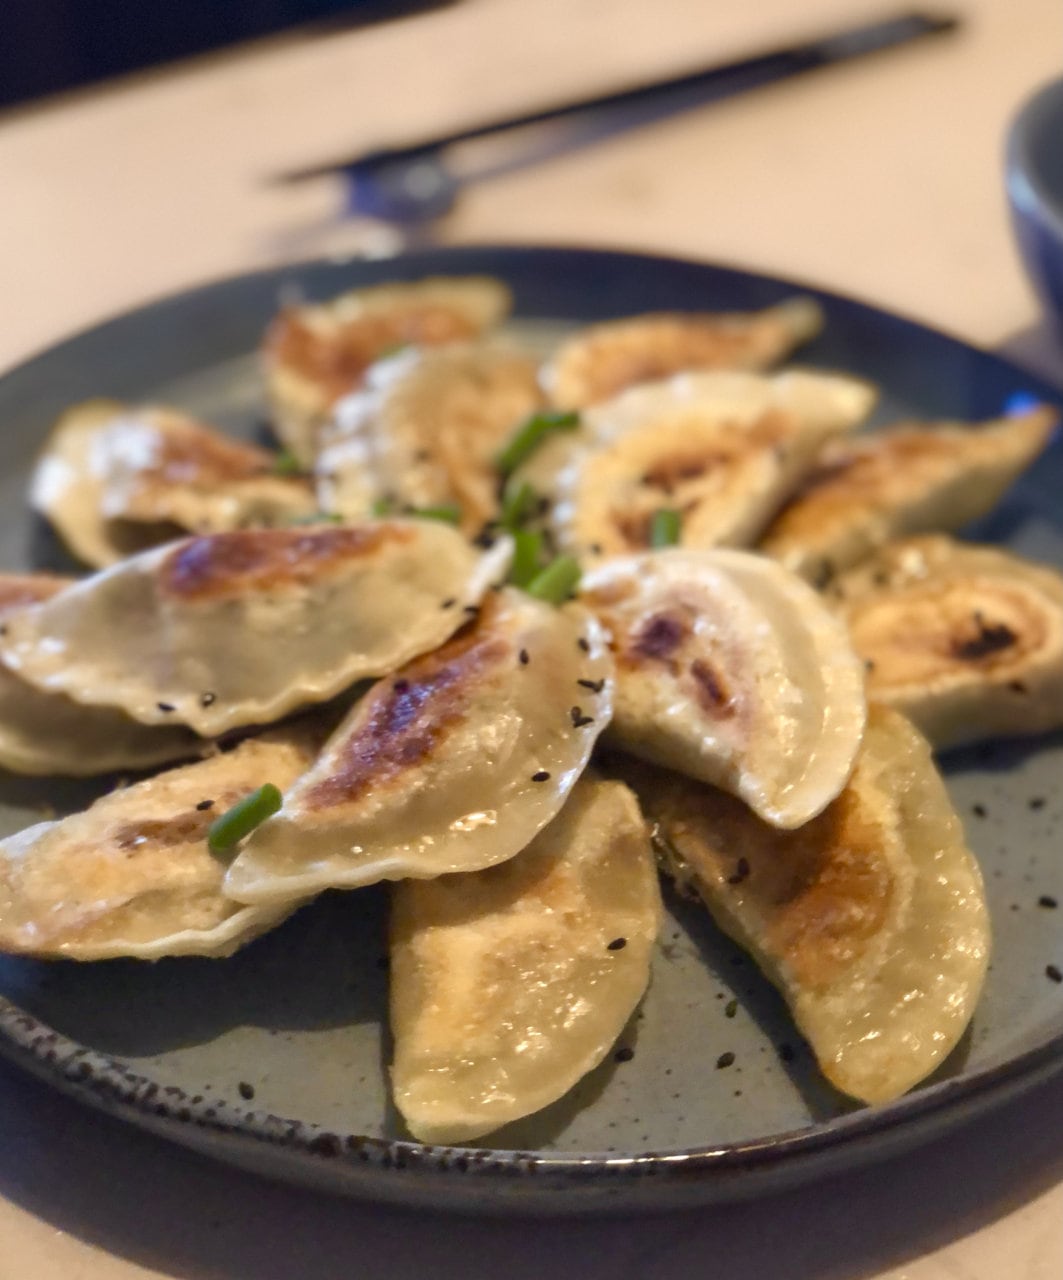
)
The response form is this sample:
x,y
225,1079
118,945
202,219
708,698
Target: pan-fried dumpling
x,y
966,641
46,733
315,354
509,985
907,480
603,360
451,764
733,671
241,628
114,480
132,875
724,450
871,919
425,430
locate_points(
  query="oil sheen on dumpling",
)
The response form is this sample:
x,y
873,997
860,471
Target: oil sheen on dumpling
x,y
115,479
871,919
723,450
132,875
451,764
733,671
603,360
907,480
966,641
508,985
425,431
46,733
316,353
241,628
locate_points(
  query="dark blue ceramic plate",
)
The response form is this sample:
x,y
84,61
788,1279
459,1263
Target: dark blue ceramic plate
x,y
275,1060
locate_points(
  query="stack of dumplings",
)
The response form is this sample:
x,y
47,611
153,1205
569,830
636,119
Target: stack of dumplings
x,y
518,638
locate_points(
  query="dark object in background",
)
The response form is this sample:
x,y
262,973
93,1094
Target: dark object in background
x,y
50,45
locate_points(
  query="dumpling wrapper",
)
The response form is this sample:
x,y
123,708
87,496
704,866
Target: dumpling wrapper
x,y
46,733
452,764
508,985
116,479
734,671
966,641
241,628
724,450
132,875
316,353
425,430
907,480
601,361
871,919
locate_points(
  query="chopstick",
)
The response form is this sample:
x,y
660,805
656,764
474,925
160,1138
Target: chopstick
x,y
775,64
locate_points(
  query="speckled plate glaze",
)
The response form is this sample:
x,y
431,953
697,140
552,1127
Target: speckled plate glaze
x,y
276,1059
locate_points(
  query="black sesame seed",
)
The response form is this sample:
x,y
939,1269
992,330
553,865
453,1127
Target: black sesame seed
x,y
584,644
448,604
730,1008
578,718
725,1060
741,872
617,944
786,1052
1054,972
869,664
624,1055
541,776
401,686
978,810
1048,902
1036,802
207,699
247,1091
471,609
166,706
204,805
525,657
595,686
1017,686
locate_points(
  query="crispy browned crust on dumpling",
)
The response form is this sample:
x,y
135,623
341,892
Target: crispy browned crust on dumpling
x,y
907,480
871,919
510,984
425,430
452,764
241,628
132,875
604,359
966,641
314,354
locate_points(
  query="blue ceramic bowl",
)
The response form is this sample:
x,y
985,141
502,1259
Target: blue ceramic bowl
x,y
1035,192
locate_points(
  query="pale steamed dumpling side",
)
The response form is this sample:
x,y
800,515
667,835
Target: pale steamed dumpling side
x,y
601,361
732,670
316,353
967,641
907,480
47,733
871,919
453,763
425,430
242,628
132,875
508,985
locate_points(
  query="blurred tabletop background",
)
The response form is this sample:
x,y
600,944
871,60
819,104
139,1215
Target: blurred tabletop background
x,y
880,178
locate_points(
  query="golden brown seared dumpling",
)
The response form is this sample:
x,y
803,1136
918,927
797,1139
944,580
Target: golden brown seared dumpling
x,y
966,641
732,670
47,733
601,361
316,353
132,875
241,628
115,479
425,430
508,985
871,919
907,480
723,450
451,764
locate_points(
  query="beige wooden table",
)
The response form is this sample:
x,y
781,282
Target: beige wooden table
x,y
881,179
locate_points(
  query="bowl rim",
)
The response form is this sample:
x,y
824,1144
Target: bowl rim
x,y
1026,188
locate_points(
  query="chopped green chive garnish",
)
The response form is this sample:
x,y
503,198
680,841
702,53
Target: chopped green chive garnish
x,y
664,528
382,507
319,517
229,828
448,512
518,502
393,350
527,557
286,464
557,581
530,436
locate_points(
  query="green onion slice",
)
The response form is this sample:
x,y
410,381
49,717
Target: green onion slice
x,y
287,464
557,581
447,512
382,507
527,557
518,502
230,827
530,435
319,517
665,528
